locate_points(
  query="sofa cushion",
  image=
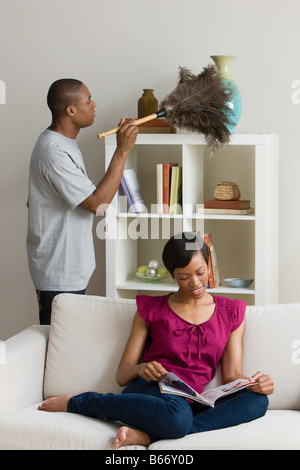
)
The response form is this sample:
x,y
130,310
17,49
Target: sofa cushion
x,y
271,334
32,429
277,430
86,340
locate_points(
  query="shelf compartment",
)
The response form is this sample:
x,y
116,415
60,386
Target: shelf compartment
x,y
246,245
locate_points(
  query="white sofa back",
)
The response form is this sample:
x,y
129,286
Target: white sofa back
x,y
88,334
86,340
272,345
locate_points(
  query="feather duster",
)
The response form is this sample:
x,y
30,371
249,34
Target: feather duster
x,y
199,103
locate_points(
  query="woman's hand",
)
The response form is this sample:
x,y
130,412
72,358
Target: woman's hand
x,y
264,385
152,371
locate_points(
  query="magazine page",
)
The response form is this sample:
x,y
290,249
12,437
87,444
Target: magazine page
x,y
172,384
224,390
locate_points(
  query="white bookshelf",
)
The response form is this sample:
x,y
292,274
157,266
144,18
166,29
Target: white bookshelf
x,y
246,245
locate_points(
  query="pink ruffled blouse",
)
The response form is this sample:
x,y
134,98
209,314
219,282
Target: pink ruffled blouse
x,y
190,351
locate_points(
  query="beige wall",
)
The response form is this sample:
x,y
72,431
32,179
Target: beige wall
x,y
118,48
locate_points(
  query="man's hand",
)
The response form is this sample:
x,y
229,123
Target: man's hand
x,y
126,136
265,384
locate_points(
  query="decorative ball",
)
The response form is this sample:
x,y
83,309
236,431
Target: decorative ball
x,y
162,271
151,272
153,264
227,191
142,270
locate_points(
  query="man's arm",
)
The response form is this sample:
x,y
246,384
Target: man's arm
x,y
109,184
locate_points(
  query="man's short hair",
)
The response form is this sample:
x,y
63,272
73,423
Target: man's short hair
x,y
63,93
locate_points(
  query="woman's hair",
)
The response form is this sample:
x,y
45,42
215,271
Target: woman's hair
x,y
180,249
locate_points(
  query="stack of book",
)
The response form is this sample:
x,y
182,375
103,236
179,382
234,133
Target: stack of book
x,y
213,267
156,126
239,207
169,188
131,188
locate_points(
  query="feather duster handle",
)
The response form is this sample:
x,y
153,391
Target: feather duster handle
x,y
158,114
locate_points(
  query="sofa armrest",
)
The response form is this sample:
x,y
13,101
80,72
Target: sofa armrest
x,y
22,363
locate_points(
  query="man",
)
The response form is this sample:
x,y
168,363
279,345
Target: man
x,y
62,199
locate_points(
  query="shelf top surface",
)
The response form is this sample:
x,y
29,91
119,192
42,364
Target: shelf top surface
x,y
150,215
167,285
195,139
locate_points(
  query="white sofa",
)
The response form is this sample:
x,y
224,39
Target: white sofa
x,y
81,351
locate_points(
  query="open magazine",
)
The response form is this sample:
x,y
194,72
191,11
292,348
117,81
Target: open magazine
x,y
172,384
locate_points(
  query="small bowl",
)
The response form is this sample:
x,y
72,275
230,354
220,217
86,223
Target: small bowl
x,y
238,282
151,278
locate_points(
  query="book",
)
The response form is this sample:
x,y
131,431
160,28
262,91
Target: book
x,y
166,186
226,211
157,130
155,123
176,190
208,240
159,187
217,204
155,126
138,204
126,193
175,386
215,265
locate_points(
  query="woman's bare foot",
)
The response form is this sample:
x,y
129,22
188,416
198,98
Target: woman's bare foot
x,y
128,437
55,403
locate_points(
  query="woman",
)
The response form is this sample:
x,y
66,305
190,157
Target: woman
x,y
187,332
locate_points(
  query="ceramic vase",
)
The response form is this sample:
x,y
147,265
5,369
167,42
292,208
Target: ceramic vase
x,y
147,104
223,64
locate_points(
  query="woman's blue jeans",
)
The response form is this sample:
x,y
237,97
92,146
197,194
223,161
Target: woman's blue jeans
x,y
166,416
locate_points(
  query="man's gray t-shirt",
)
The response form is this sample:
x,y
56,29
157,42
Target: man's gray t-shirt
x,y
59,240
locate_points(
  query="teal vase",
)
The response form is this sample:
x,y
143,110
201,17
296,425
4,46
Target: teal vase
x,y
223,64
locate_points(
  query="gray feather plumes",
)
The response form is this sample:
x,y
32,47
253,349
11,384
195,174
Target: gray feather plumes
x,y
199,104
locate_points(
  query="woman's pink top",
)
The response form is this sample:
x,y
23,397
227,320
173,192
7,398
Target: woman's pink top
x,y
190,351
